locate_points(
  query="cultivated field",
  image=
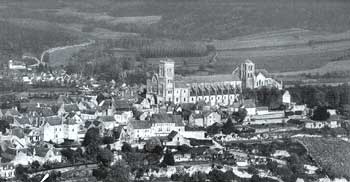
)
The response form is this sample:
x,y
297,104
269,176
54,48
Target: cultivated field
x,y
103,17
336,66
332,154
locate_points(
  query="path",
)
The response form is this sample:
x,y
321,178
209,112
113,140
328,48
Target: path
x,y
64,47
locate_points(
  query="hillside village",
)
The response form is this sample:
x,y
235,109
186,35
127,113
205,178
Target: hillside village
x,y
174,128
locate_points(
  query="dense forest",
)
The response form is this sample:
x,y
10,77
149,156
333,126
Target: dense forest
x,y
16,40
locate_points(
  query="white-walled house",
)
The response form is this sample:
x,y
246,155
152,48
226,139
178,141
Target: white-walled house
x,y
68,108
7,170
176,139
122,117
158,125
204,119
286,98
56,129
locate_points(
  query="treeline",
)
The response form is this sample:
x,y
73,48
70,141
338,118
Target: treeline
x,y
265,96
333,74
174,49
98,62
327,96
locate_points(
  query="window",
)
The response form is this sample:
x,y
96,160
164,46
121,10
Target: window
x,y
177,99
169,92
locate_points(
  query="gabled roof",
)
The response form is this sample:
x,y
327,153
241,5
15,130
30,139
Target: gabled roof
x,y
18,132
106,118
12,112
249,103
69,122
208,78
22,120
167,118
122,104
172,134
70,107
53,120
140,124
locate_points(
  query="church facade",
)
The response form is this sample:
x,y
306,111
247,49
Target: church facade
x,y
220,89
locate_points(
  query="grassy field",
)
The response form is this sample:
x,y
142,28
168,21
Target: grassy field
x,y
333,155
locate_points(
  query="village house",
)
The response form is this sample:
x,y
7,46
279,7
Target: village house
x,y
122,117
143,104
108,122
22,122
204,119
286,98
105,108
309,124
56,130
7,170
176,139
158,125
44,154
68,108
249,106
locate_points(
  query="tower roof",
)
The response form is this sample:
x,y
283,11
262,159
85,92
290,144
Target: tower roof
x,y
248,61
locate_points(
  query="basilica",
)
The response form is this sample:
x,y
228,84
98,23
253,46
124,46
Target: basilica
x,y
220,89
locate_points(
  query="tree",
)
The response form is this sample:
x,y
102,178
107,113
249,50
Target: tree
x,y
35,165
320,114
240,115
255,178
168,159
92,141
126,147
118,173
153,145
21,173
228,127
214,129
4,124
107,140
104,156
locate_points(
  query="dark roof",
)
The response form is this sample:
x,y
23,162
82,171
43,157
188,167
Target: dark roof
x,y
172,134
70,107
196,142
105,104
69,122
122,105
118,131
208,78
140,124
22,120
106,119
198,150
197,115
12,112
167,118
53,120
262,71
249,103
18,132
